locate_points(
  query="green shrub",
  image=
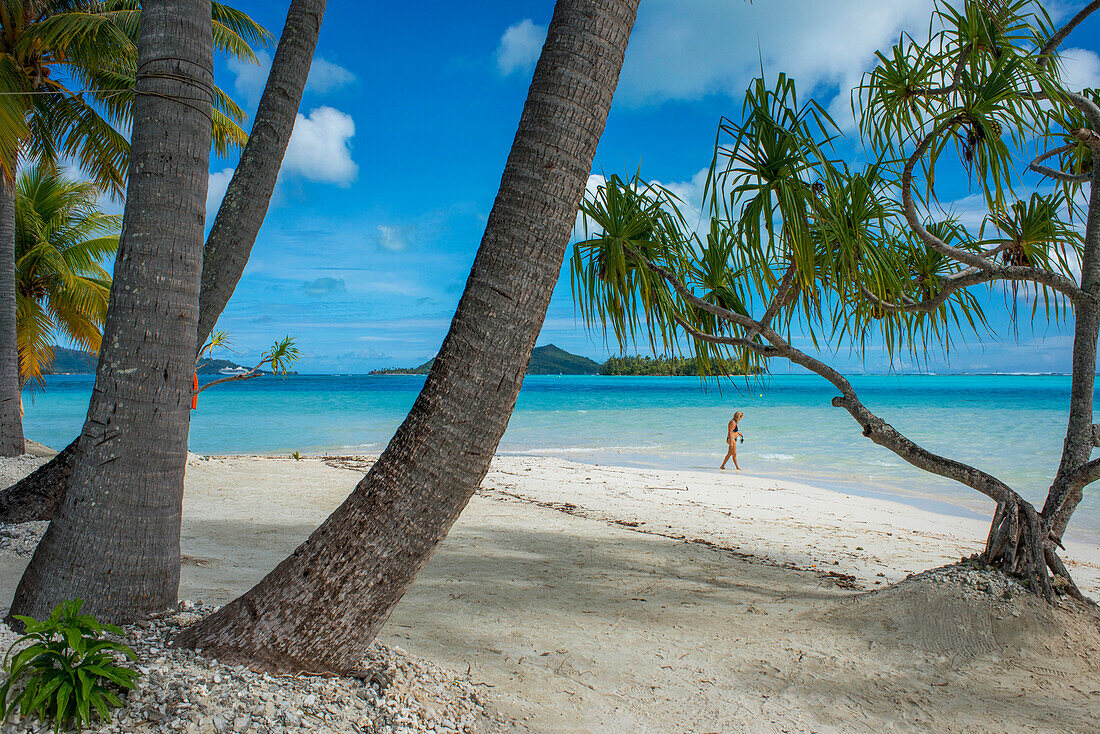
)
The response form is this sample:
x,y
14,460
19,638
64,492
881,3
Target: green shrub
x,y
69,668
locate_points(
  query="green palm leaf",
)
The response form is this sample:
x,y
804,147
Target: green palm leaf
x,y
62,288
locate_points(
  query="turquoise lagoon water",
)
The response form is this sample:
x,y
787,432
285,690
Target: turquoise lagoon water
x,y
1009,425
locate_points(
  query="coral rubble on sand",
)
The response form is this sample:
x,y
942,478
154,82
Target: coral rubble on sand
x,y
181,691
20,539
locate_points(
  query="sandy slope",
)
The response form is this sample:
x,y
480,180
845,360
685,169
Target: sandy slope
x,y
560,590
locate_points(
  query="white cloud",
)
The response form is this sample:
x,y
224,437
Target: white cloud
x,y
392,238
215,191
324,77
520,47
1080,68
595,181
691,195
251,78
324,287
319,148
686,49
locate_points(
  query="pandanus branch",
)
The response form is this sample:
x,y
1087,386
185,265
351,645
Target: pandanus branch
x,y
786,290
956,77
958,281
1054,173
1048,278
965,279
1047,52
1091,111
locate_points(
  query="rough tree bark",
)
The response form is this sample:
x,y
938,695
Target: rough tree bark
x,y
11,419
36,496
234,232
114,541
324,604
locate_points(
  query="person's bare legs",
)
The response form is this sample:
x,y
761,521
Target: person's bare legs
x,y
731,453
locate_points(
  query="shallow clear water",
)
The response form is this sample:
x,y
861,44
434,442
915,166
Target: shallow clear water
x,y
1011,426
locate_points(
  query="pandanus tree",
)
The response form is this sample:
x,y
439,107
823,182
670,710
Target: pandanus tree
x,y
321,607
799,241
61,287
67,73
231,237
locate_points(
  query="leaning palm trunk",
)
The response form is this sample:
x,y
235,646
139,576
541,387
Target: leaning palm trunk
x,y
324,604
234,232
11,418
115,539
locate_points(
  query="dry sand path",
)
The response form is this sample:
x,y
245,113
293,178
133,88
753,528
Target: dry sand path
x,y
578,623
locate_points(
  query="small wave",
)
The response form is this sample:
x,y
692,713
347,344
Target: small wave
x,y
578,450
776,457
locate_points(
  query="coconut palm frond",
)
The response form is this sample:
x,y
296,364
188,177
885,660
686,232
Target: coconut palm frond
x,y
240,24
226,135
35,338
62,287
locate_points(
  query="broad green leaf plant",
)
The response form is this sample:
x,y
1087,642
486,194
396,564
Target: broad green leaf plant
x,y
798,241
65,667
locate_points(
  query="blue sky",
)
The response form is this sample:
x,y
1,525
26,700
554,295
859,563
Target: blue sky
x,y
409,115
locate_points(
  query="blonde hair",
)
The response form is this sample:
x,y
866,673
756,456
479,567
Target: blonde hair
x,y
738,415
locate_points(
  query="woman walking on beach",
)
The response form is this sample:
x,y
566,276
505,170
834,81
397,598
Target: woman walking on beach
x,y
731,438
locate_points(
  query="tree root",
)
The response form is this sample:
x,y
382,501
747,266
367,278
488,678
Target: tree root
x,y
1020,543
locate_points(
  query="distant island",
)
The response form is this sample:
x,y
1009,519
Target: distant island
x,y
663,366
553,360
77,362
70,362
546,360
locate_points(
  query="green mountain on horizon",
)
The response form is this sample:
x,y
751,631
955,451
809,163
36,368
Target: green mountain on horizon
x,y
545,360
78,362
71,362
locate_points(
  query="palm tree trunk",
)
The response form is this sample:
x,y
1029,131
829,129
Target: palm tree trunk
x,y
36,496
231,237
115,539
11,418
324,604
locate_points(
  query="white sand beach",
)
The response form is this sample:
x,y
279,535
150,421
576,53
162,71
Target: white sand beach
x,y
609,599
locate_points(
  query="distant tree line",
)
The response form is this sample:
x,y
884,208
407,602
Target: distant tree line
x,y
672,366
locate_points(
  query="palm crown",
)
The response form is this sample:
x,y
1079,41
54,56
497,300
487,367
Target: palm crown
x,y
61,289
67,72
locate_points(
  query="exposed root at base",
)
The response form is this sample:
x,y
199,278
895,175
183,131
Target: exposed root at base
x,y
1021,544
